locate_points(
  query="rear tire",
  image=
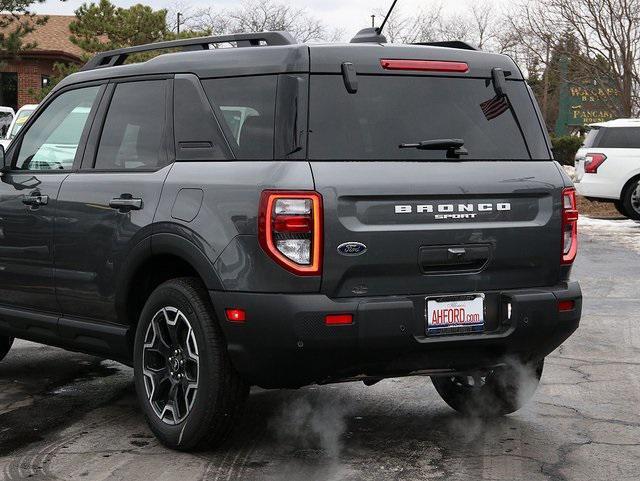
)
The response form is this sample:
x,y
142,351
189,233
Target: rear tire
x,y
189,392
631,200
620,208
5,345
497,392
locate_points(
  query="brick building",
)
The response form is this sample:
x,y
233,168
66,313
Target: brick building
x,y
31,70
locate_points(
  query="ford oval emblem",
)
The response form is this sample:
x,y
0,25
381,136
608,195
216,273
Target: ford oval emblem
x,y
352,249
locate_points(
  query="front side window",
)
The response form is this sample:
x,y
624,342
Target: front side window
x,y
247,106
133,133
52,140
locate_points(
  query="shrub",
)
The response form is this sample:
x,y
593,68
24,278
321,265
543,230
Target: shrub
x,y
565,148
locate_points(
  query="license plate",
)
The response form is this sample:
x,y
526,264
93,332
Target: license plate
x,y
455,314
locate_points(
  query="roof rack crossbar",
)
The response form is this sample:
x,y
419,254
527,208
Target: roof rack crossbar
x,y
449,44
118,57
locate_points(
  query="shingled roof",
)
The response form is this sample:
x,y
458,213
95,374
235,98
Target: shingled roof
x,y
52,38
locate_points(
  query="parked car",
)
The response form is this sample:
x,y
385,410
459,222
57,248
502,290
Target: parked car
x,y
280,214
16,124
608,165
6,117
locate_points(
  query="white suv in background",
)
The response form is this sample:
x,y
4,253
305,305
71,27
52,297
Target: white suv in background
x,y
18,121
608,165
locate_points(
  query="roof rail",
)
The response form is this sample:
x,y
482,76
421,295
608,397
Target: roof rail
x,y
118,57
448,44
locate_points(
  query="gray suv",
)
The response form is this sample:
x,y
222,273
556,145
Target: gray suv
x,y
279,214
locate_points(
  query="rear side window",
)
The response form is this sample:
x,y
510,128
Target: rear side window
x,y
619,138
133,133
388,111
247,108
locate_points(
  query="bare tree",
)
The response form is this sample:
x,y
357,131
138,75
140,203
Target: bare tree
x,y
421,26
608,40
262,15
483,18
187,15
477,23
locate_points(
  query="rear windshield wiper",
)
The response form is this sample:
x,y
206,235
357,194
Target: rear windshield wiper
x,y
454,147
498,77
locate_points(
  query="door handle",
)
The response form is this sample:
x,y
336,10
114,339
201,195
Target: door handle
x,y
35,200
457,252
126,203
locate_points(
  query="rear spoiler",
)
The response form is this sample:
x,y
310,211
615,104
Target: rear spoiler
x,y
448,44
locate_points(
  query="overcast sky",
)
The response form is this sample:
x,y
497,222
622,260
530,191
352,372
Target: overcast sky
x,y
347,15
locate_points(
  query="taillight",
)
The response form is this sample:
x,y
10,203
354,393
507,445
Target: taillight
x,y
569,225
290,230
425,65
592,162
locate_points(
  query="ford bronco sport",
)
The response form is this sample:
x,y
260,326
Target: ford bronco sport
x,y
279,214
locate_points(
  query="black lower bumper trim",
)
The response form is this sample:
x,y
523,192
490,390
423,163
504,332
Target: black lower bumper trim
x,y
285,342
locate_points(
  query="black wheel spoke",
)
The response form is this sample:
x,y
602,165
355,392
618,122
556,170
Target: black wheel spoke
x,y
160,350
162,341
172,320
158,378
174,399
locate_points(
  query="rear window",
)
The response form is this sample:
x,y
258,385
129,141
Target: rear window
x,y
618,138
247,107
391,110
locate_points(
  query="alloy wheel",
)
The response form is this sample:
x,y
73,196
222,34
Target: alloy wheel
x,y
171,365
635,198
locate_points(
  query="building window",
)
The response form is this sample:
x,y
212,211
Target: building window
x,y
9,90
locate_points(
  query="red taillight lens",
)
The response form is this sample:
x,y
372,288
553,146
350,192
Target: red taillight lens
x,y
565,306
338,319
592,162
569,226
290,230
292,223
425,65
236,315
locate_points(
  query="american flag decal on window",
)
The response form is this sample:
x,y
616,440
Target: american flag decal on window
x,y
495,107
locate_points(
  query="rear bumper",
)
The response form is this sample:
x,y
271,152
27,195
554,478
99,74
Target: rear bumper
x,y
284,341
593,185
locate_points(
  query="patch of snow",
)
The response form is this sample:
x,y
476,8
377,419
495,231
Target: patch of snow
x,y
622,232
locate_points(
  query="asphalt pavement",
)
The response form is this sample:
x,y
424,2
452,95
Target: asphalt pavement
x,y
67,416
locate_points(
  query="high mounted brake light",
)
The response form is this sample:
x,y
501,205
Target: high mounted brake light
x,y
569,225
425,65
592,162
290,230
